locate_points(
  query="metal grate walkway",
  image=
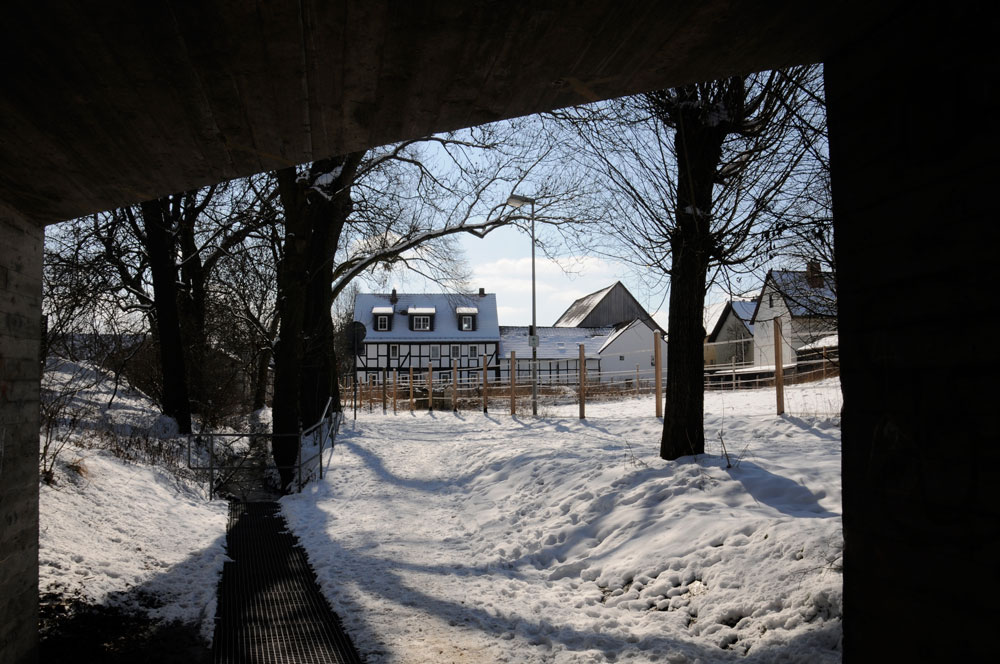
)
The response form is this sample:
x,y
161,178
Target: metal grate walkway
x,y
270,606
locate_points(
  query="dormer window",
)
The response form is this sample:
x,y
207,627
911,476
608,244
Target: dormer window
x,y
382,318
421,318
467,318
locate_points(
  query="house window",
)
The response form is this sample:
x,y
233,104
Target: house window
x,y
394,351
381,323
435,352
455,351
422,323
473,351
466,324
770,300
621,358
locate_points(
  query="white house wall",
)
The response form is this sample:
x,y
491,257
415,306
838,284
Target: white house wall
x,y
763,331
633,346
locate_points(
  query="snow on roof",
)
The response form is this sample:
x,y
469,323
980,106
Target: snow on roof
x,y
554,342
801,298
582,307
467,310
445,305
382,310
831,341
744,310
619,330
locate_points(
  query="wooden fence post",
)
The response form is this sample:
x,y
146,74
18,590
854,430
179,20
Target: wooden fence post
x,y
454,388
637,380
430,387
779,369
513,382
658,373
486,385
385,386
411,389
583,384
395,389
824,364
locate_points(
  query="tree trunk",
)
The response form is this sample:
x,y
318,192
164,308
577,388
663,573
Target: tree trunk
x,y
698,144
304,367
160,247
683,420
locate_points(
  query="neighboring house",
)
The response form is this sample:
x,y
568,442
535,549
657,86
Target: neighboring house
x,y
806,303
616,331
420,330
730,341
607,307
630,348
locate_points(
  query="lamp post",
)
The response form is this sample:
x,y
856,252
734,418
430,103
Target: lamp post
x,y
516,201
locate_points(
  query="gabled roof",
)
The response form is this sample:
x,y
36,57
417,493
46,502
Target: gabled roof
x,y
743,310
554,343
582,307
613,305
802,298
444,306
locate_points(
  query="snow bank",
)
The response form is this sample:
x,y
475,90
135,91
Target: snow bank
x,y
123,534
441,537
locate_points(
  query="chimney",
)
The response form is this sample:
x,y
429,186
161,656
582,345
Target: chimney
x,y
394,298
482,292
814,277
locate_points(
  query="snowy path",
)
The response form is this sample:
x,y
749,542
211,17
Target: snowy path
x,y
495,539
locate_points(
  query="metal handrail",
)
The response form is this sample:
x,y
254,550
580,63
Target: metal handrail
x,y
332,419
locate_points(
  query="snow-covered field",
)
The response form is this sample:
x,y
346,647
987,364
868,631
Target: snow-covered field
x,y
125,534
487,538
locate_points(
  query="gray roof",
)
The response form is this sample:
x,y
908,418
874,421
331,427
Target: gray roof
x,y
744,310
581,307
801,298
445,318
554,342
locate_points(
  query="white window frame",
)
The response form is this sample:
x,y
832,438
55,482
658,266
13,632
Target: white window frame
x,y
473,351
456,351
435,352
421,323
466,324
393,351
382,323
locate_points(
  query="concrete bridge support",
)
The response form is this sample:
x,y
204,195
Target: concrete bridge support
x,y
20,332
912,116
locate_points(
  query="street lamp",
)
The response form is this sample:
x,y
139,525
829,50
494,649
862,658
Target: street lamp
x,y
516,201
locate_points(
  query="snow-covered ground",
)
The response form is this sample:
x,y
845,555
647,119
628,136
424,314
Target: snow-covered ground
x,y
487,538
125,534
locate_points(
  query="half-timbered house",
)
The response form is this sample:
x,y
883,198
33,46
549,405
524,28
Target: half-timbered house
x,y
441,332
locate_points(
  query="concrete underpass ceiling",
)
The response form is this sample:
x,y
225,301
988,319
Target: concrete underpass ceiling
x,y
110,103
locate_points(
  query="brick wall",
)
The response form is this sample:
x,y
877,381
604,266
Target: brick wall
x,y
20,328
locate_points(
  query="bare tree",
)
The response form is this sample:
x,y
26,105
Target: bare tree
x,y
349,215
696,182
